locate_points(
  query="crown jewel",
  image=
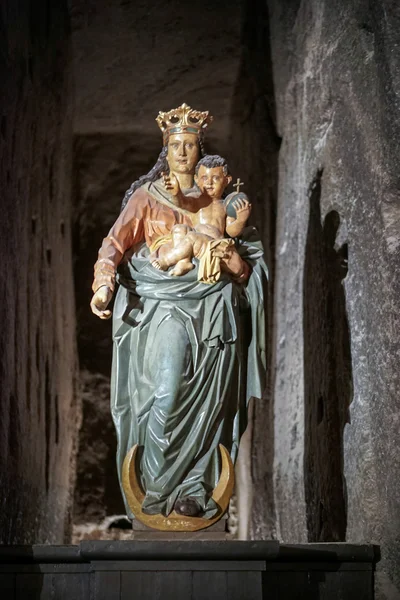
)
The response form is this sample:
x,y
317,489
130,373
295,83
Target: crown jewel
x,y
183,120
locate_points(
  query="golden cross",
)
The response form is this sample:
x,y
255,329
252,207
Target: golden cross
x,y
237,185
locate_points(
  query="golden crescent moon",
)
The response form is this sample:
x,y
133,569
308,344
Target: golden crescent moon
x,y
174,522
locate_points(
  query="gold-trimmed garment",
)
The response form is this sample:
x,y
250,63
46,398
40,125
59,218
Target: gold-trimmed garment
x,y
210,262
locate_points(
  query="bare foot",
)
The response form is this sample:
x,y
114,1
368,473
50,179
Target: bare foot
x,y
159,263
181,268
156,264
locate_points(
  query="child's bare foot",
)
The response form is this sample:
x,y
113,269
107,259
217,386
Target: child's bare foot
x,y
157,262
182,267
156,265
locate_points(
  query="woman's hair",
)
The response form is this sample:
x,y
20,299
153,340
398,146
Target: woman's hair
x,y
155,173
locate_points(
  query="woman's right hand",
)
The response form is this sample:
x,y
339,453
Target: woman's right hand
x,y
100,301
171,183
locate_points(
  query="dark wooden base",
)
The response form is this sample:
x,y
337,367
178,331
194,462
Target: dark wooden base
x,y
187,570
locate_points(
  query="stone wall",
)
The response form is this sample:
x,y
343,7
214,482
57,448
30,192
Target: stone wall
x,y
337,429
134,58
37,335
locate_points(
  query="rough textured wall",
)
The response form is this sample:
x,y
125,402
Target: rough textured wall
x,y
134,58
37,368
337,84
96,478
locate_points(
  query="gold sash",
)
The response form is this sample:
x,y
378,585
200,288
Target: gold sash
x,y
210,264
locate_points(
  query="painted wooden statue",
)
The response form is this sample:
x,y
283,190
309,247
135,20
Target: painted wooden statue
x,y
188,330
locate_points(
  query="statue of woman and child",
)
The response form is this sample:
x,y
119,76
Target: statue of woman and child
x,y
188,329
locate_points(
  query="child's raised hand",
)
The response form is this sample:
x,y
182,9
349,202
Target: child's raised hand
x,y
171,183
243,209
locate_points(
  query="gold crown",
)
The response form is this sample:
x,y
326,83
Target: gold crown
x,y
183,120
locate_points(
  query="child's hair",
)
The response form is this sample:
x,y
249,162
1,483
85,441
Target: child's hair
x,y
210,161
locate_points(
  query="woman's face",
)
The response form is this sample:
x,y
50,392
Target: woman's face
x,y
212,181
183,152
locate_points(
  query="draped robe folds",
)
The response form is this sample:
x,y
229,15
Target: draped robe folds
x,y
187,357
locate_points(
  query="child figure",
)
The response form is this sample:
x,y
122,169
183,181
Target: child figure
x,y
206,240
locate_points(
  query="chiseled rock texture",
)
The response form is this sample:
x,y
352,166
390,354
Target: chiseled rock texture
x,y
37,335
337,295
134,58
97,487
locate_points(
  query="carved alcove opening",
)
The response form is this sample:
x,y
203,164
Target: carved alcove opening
x,y
255,145
104,167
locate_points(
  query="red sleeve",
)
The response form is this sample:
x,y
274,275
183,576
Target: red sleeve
x,y
127,230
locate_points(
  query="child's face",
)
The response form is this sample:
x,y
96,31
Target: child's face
x,y
212,181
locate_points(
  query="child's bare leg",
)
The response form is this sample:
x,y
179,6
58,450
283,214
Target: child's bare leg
x,y
198,243
182,266
184,250
155,256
